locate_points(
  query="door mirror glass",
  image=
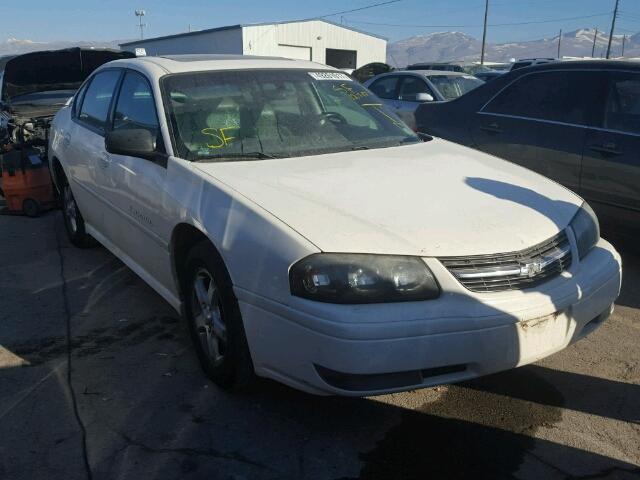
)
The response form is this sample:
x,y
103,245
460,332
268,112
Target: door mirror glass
x,y
424,97
134,142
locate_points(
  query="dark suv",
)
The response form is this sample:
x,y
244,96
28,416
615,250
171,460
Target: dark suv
x,y
576,122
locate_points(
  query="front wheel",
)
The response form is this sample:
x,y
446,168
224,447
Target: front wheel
x,y
214,320
73,220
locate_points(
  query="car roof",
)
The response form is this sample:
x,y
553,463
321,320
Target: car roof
x,y
547,59
162,65
424,73
438,73
584,65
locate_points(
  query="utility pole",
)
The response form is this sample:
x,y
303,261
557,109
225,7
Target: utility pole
x,y
559,42
613,25
484,32
140,14
593,49
624,37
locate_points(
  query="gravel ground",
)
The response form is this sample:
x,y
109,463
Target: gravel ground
x,y
134,403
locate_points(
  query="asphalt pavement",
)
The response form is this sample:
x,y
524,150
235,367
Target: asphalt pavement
x,y
98,380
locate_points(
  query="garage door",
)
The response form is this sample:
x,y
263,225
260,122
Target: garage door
x,y
293,51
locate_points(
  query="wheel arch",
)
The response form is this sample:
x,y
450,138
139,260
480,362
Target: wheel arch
x,y
58,175
183,238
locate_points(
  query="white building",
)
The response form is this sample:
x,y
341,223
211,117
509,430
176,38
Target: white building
x,y
317,40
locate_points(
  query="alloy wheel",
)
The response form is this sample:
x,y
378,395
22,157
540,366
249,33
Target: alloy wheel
x,y
207,316
70,209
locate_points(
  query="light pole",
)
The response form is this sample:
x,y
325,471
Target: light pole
x,y
140,14
613,26
559,42
484,31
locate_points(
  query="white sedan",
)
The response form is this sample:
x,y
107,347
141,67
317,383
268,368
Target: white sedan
x,y
309,236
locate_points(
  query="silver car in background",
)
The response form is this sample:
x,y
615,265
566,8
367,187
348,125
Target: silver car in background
x,y
404,91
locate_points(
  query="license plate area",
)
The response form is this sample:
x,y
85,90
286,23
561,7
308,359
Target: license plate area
x,y
544,335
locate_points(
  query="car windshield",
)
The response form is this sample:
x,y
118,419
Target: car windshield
x,y
452,86
260,114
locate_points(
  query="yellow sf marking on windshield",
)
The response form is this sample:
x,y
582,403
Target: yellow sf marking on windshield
x,y
220,135
378,108
345,88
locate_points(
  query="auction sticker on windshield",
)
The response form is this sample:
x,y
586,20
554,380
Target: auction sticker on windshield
x,y
329,76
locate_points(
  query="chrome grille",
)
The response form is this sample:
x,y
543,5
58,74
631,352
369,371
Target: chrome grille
x,y
512,271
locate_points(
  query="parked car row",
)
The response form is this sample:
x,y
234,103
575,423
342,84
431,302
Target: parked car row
x,y
479,71
404,91
575,122
309,236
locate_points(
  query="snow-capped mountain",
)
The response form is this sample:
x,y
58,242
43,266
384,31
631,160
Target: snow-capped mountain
x,y
450,46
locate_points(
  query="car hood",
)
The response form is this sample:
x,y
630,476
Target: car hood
x,y
52,70
428,199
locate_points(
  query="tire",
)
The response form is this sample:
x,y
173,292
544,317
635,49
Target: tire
x,y
30,207
214,320
73,221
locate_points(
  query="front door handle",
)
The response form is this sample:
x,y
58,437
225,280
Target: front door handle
x,y
608,148
491,128
104,160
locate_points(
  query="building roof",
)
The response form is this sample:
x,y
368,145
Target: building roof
x,y
241,25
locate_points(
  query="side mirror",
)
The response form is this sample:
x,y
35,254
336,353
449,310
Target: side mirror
x,y
135,142
424,97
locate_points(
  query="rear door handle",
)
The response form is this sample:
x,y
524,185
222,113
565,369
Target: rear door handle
x,y
608,148
491,128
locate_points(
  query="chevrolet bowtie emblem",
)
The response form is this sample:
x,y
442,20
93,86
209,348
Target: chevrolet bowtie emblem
x,y
530,269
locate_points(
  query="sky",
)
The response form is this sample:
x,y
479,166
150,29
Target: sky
x,y
44,20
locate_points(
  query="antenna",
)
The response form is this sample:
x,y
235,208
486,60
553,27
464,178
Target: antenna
x,y
140,14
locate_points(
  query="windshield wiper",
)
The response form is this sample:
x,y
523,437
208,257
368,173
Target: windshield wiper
x,y
236,156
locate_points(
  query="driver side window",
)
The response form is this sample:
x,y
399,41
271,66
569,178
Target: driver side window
x,y
385,87
135,107
411,86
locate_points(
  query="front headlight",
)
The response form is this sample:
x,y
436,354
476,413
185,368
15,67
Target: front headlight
x,y
362,278
586,228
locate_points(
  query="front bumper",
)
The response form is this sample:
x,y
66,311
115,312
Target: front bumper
x,y
373,349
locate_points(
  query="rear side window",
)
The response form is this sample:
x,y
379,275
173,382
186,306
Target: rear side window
x,y
558,96
622,110
78,99
97,98
385,87
135,107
